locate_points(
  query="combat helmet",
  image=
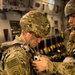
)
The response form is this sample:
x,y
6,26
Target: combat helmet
x,y
69,8
36,22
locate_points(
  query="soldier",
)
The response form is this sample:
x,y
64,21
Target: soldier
x,y
70,32
68,66
70,14
16,58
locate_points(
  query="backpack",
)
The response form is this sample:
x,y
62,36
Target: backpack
x,y
5,45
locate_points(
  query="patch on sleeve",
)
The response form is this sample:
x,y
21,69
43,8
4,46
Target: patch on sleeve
x,y
12,63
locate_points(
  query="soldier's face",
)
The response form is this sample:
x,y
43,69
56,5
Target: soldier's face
x,y
71,20
32,39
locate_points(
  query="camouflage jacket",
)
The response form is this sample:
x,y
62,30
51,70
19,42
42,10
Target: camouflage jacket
x,y
71,43
69,40
60,68
16,60
66,35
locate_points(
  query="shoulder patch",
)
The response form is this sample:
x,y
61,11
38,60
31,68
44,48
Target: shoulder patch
x,y
12,63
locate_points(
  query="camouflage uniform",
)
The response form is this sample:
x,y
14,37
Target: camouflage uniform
x,y
16,59
71,43
59,68
69,40
66,35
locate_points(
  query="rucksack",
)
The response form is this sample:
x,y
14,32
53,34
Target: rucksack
x,y
5,45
